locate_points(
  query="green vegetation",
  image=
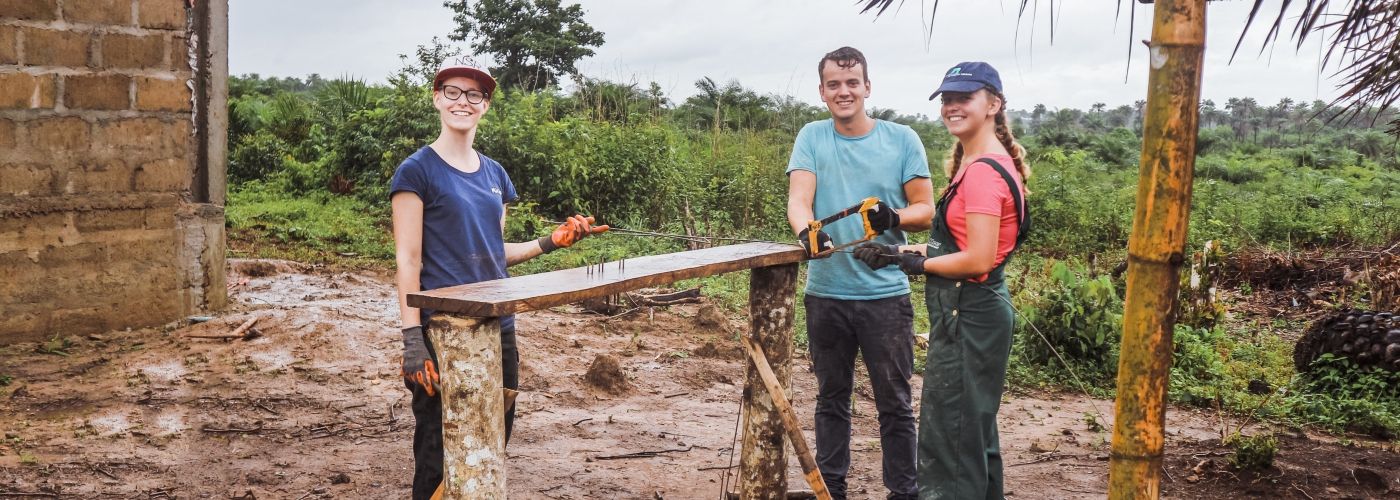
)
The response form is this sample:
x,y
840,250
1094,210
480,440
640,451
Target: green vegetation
x,y
1253,452
1341,396
536,41
310,161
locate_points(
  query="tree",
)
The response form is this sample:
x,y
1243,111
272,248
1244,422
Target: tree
x,y
1211,116
420,68
731,107
1037,114
1122,116
618,102
533,42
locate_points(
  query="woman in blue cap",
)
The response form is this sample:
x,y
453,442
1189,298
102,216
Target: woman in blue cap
x,y
981,218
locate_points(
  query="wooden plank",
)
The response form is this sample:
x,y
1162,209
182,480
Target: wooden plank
x,y
540,291
473,406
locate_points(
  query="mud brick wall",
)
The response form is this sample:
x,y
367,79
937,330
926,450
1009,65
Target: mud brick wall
x,y
111,214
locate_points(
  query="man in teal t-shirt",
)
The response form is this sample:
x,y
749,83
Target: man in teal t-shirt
x,y
835,164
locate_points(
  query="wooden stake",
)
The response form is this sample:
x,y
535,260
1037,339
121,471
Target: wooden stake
x,y
237,333
790,423
1156,247
473,406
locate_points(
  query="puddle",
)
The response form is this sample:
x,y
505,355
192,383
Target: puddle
x,y
166,372
272,360
170,423
110,424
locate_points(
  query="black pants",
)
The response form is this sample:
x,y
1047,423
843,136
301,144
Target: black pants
x,y
882,332
427,416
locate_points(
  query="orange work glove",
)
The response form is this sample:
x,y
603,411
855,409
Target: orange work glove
x,y
576,228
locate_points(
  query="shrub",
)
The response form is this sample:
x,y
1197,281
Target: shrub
x,y
257,156
1253,452
1080,316
1341,395
1198,368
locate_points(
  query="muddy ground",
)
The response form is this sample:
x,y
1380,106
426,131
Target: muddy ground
x,y
314,408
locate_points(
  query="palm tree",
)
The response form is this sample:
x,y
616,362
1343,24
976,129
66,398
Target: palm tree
x,y
1210,115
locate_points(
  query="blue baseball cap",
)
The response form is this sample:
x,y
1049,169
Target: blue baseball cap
x,y
969,77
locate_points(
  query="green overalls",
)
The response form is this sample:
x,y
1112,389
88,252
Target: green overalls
x,y
959,455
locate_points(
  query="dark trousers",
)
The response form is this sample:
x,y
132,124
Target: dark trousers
x,y
427,416
882,332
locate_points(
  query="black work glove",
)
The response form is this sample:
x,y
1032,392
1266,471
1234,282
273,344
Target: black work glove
x,y
882,217
823,242
912,263
418,365
877,255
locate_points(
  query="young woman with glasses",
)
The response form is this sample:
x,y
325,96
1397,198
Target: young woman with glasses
x,y
449,207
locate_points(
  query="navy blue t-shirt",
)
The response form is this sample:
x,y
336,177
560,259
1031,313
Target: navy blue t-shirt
x,y
462,240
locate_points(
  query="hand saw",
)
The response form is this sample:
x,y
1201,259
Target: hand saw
x,y
863,208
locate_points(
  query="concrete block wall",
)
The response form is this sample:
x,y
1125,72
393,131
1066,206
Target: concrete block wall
x,y
107,216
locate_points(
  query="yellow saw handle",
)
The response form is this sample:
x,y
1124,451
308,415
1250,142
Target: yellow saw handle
x,y
863,209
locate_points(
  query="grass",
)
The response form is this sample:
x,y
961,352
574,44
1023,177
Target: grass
x,y
321,228
1213,367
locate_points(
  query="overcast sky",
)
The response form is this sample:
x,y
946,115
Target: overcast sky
x,y
772,46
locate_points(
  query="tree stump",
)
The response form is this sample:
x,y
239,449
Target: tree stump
x,y
473,406
772,307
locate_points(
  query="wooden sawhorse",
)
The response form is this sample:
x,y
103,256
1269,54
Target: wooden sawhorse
x,y
467,340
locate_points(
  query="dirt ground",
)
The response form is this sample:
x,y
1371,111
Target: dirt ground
x,y
314,408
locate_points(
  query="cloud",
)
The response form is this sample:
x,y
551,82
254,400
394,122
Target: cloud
x,y
773,46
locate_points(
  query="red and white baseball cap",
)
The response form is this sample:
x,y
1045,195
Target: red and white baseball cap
x,y
451,69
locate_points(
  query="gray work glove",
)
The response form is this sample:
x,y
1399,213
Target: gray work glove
x,y
418,365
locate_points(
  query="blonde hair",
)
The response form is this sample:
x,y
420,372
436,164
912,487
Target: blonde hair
x,y
1008,140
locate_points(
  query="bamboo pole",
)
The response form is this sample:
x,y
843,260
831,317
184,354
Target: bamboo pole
x,y
772,306
473,406
1156,247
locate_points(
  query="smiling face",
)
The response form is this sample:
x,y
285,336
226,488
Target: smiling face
x,y
844,89
459,115
966,113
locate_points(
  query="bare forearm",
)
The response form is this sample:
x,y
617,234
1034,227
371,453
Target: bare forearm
x,y
798,219
955,266
918,216
521,252
802,189
407,280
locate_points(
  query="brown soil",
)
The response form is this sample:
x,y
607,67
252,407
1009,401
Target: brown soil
x,y
606,374
314,408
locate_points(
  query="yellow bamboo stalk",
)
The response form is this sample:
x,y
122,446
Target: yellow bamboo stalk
x,y
1156,247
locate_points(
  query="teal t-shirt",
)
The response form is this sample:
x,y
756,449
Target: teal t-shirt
x,y
850,169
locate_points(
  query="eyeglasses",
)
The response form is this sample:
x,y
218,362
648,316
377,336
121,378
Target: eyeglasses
x,y
473,96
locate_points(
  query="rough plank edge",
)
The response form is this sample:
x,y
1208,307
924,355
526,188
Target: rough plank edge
x,y
435,299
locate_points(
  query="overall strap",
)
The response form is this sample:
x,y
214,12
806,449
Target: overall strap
x,y
1023,212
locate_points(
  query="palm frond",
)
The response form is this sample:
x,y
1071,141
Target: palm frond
x,y
1364,45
